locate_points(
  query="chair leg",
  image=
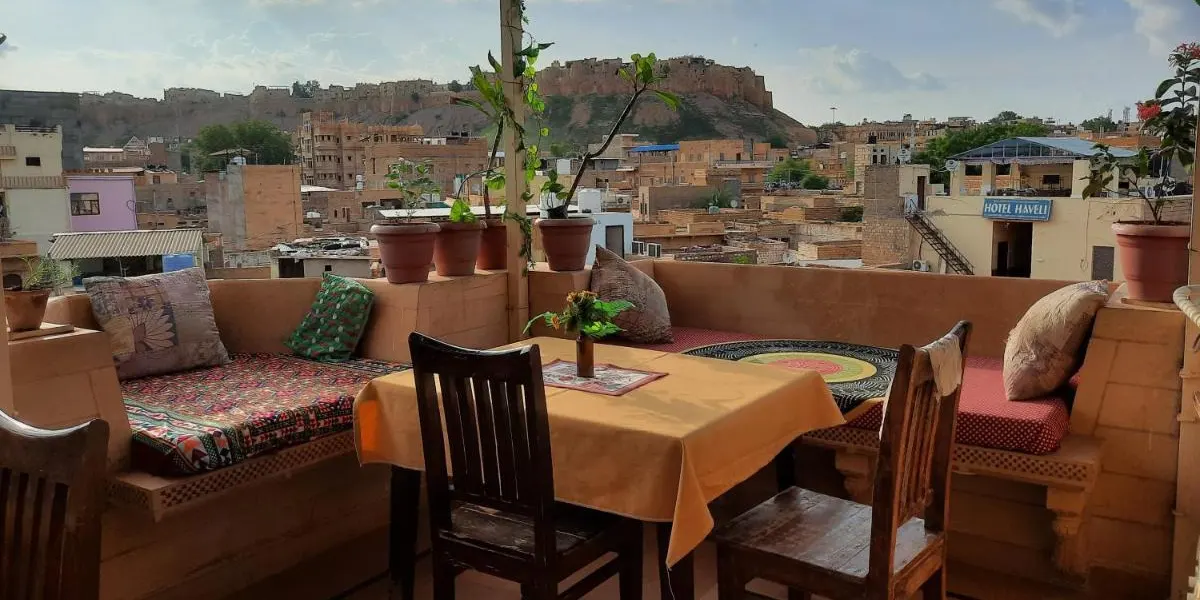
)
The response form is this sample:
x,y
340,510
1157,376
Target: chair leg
x,y
444,573
794,594
630,576
935,587
729,582
539,590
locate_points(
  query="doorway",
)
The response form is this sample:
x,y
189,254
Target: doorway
x,y
1012,249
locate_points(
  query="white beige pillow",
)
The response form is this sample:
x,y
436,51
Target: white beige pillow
x,y
1046,347
649,321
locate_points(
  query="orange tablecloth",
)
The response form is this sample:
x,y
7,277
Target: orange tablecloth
x,y
661,452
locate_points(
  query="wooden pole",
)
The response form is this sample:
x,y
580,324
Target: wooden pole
x,y
511,34
1187,489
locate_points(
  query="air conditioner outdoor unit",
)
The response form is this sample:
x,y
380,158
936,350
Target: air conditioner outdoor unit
x,y
639,248
654,250
920,265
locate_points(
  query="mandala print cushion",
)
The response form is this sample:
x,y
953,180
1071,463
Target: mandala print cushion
x,y
1045,348
649,321
159,323
335,323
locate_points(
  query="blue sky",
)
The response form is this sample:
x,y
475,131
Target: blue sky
x,y
877,59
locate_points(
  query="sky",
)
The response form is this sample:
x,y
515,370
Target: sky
x,y
874,59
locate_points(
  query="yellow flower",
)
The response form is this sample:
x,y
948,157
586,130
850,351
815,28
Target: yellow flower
x,y
556,322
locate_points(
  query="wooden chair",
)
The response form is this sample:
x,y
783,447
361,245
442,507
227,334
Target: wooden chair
x,y
51,498
500,516
817,544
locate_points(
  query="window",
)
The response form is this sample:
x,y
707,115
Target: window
x,y
156,179
34,161
1004,169
328,268
83,204
1051,179
1102,262
974,170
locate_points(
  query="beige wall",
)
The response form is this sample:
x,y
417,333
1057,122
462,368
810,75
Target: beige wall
x,y
271,201
43,145
1062,246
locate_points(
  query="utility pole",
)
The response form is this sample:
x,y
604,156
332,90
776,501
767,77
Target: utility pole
x,y
511,35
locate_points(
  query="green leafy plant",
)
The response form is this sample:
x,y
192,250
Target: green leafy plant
x,y
1172,115
497,106
45,273
743,259
414,183
460,212
586,314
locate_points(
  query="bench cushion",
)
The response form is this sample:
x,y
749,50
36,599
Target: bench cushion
x,y
205,419
686,338
987,418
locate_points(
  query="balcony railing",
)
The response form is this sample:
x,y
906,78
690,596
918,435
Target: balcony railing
x,y
743,164
33,182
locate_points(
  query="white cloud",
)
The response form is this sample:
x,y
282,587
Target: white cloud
x,y
835,69
1059,17
1165,23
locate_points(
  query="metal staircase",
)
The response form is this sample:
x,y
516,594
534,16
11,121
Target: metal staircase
x,y
953,257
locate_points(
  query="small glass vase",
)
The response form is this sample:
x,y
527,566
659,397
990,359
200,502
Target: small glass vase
x,y
585,357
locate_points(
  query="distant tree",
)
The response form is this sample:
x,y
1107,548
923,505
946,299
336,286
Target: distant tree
x,y
416,97
940,149
778,141
812,181
306,89
260,142
1005,116
454,86
1098,124
789,170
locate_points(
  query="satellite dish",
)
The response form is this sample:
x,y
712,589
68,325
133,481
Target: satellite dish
x,y
2,38
905,154
733,203
952,165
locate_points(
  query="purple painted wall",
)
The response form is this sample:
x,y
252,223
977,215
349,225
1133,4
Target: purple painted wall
x,y
117,203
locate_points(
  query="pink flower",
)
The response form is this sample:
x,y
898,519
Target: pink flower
x,y
1148,110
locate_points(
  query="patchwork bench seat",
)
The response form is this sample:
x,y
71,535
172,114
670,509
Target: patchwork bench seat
x,y
986,417
205,419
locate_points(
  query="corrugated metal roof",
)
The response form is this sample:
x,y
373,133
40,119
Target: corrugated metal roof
x,y
111,244
655,148
1079,146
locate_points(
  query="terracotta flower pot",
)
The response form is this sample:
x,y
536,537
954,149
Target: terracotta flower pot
x,y
1154,258
25,309
456,248
406,250
566,242
493,252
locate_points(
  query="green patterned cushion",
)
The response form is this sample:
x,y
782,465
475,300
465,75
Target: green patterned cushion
x,y
335,323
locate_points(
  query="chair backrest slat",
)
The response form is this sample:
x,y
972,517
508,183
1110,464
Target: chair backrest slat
x,y
912,473
489,409
51,499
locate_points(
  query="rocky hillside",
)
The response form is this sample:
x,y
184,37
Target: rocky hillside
x,y
583,98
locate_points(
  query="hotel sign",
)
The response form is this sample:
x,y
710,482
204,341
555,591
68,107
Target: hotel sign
x,y
1012,209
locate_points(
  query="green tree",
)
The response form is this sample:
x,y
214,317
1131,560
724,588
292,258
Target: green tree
x,y
260,142
415,96
1100,123
789,170
306,89
777,141
454,86
940,149
852,214
812,181
1005,116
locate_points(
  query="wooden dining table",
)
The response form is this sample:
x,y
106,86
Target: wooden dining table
x,y
659,453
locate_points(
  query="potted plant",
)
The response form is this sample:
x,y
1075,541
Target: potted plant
x,y
1154,252
494,246
565,239
406,245
590,318
456,247
26,304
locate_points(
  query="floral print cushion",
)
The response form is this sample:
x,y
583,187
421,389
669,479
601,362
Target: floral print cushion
x,y
335,323
159,323
206,419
